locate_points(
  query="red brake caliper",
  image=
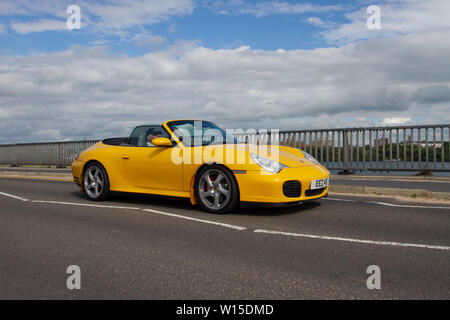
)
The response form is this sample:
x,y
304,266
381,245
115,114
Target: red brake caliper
x,y
210,178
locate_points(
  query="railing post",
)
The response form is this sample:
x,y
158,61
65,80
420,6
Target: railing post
x,y
345,146
14,154
60,156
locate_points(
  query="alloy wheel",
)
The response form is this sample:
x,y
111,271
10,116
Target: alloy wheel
x,y
214,189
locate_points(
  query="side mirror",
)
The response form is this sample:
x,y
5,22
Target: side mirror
x,y
162,142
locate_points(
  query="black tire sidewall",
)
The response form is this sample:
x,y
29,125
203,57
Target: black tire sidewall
x,y
105,192
234,199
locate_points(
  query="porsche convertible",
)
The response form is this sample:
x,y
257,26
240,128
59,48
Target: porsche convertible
x,y
198,160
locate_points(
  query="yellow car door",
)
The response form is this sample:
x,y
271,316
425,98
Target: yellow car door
x,y
151,168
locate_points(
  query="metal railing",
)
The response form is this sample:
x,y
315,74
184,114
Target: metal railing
x,y
59,154
400,148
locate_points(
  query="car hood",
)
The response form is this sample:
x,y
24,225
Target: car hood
x,y
290,157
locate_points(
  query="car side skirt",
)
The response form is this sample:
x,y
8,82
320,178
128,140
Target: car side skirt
x,y
170,193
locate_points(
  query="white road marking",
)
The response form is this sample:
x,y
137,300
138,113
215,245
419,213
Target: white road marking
x,y
389,204
342,200
405,206
380,243
126,208
84,204
13,196
240,228
195,219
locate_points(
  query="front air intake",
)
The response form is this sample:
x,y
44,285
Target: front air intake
x,y
292,189
312,193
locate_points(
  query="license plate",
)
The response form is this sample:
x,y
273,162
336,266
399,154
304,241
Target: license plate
x,y
320,183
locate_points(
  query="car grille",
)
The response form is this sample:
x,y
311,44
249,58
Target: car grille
x,y
312,193
292,189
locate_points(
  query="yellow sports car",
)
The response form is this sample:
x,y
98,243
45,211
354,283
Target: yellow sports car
x,y
198,160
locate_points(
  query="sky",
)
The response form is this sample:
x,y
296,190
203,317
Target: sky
x,y
272,64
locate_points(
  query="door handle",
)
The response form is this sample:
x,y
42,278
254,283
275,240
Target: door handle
x,y
125,157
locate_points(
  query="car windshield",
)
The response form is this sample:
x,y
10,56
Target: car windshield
x,y
141,135
200,133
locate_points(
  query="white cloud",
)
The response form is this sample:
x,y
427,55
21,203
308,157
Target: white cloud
x,y
107,17
39,26
264,8
124,14
397,17
3,113
172,28
396,121
32,7
316,21
47,135
3,28
90,92
151,41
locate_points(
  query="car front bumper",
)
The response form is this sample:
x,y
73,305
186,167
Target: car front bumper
x,y
264,187
77,170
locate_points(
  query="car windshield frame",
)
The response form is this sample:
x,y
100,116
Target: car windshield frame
x,y
191,126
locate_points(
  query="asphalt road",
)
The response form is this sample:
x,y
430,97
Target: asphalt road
x,y
354,180
318,250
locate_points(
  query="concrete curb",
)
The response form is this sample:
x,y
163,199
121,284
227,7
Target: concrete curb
x,y
37,176
411,193
391,178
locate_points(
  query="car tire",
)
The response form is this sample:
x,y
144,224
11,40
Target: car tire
x,y
216,189
95,182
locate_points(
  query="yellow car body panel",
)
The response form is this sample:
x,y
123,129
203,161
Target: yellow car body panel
x,y
151,170
135,169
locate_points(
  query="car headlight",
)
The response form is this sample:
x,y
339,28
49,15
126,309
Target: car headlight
x,y
310,157
267,164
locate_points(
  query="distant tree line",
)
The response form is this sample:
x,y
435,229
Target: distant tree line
x,y
397,153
